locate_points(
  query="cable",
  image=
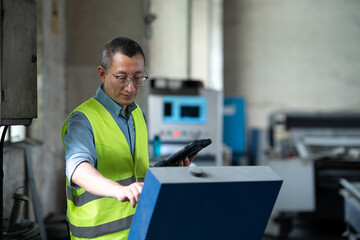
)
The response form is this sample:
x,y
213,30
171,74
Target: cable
x,y
2,177
2,150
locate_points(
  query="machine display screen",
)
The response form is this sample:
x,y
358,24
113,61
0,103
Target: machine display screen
x,y
167,109
190,111
184,109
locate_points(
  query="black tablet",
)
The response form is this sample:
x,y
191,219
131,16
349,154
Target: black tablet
x,y
187,151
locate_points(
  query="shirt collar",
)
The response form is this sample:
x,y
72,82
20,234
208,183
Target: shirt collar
x,y
110,104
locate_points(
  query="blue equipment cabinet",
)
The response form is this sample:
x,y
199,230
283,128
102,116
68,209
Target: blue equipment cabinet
x,y
205,203
234,128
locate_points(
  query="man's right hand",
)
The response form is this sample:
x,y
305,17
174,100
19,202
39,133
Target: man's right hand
x,y
130,193
87,177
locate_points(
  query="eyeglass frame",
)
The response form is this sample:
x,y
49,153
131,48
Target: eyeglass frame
x,y
133,79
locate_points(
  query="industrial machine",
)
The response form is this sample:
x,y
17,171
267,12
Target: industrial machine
x,y
179,203
351,194
183,111
312,152
234,134
18,105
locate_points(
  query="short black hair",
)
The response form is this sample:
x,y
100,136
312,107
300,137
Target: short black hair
x,y
123,45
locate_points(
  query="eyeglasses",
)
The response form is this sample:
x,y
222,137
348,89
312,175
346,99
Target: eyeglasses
x,y
125,80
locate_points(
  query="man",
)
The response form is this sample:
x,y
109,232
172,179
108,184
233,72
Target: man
x,y
106,146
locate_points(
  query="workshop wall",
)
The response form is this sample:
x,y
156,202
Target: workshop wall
x,y
293,55
169,39
90,25
185,41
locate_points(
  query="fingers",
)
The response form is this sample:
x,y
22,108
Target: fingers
x,y
192,157
186,162
135,189
133,197
131,193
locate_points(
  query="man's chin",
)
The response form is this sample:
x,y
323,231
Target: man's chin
x,y
124,102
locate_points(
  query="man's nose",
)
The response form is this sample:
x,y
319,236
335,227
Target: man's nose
x,y
130,86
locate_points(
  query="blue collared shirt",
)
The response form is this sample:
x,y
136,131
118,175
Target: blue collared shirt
x,y
79,137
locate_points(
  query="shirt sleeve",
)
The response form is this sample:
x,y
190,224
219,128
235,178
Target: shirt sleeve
x,y
79,142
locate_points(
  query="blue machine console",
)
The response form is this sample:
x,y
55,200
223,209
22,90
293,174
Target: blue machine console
x,y
205,203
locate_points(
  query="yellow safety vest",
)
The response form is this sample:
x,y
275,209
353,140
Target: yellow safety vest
x,y
94,217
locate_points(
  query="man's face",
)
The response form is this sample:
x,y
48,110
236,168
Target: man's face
x,y
122,65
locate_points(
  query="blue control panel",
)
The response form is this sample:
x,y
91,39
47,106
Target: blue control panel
x,y
178,203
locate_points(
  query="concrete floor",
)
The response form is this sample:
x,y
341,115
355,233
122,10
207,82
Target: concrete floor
x,y
306,230
301,230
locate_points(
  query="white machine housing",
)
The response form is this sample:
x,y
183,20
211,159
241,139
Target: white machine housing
x,y
176,131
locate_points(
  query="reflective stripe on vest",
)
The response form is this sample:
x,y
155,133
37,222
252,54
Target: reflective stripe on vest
x,y
88,197
107,228
90,216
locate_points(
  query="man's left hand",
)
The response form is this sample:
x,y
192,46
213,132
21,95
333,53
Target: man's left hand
x,y
187,161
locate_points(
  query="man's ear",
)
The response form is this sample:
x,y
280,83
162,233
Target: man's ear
x,y
101,73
